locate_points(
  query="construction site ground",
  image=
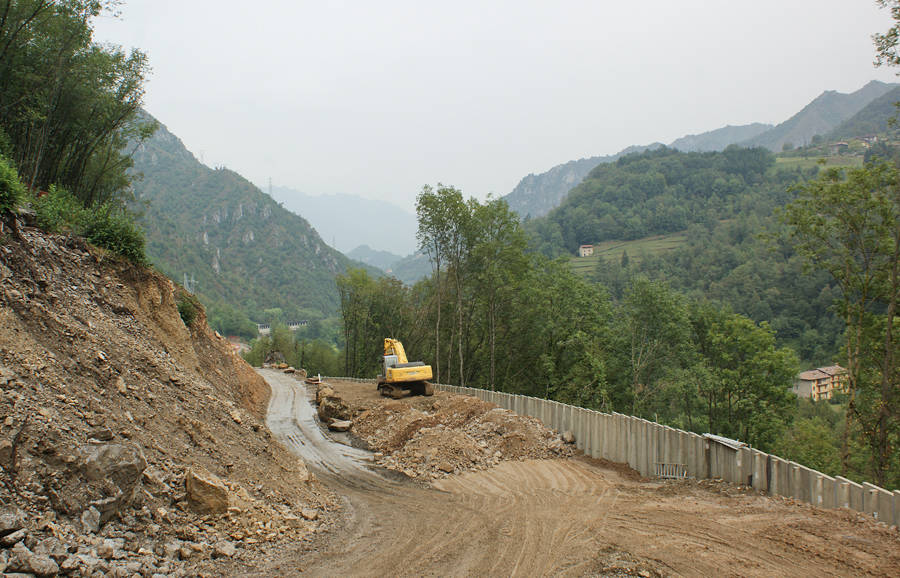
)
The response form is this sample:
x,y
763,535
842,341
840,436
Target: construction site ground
x,y
530,517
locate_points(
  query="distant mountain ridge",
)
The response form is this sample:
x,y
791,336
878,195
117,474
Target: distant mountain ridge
x,y
381,259
819,117
239,245
873,119
348,221
538,194
717,140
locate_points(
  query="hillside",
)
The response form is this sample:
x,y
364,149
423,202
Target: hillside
x,y
819,117
411,268
381,259
242,248
116,413
872,119
717,140
348,221
693,220
655,193
537,195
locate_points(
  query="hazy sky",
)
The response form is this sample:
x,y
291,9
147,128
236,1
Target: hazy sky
x,y
379,98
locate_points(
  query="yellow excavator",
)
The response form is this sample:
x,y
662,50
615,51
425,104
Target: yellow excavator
x,y
400,376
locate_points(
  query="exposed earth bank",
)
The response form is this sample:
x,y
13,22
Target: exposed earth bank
x,y
530,517
131,444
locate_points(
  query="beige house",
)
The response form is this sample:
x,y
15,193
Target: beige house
x,y
585,250
821,383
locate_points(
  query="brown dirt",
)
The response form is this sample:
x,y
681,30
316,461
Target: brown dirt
x,y
573,517
431,437
88,344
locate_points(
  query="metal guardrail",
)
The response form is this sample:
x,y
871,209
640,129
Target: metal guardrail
x,y
671,471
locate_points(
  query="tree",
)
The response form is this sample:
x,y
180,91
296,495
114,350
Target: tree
x,y
498,253
68,107
886,45
749,397
655,336
444,220
432,236
848,224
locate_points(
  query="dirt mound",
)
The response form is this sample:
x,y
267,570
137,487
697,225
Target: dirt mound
x,y
107,401
433,437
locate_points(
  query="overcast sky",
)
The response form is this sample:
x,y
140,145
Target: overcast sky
x,y
379,98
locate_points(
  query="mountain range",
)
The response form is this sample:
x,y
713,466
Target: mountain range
x,y
239,246
538,194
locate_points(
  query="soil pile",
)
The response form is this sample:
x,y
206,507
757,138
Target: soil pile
x,y
433,437
108,405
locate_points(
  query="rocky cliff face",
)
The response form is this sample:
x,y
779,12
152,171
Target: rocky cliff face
x,y
241,246
537,195
109,404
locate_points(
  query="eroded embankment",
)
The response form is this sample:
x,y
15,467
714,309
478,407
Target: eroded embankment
x,y
107,403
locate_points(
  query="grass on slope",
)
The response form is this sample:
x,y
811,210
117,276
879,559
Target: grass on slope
x,y
611,251
810,162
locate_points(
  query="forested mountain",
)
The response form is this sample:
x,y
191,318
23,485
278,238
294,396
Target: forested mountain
x,y
348,221
872,119
537,195
724,201
243,249
657,192
819,117
717,140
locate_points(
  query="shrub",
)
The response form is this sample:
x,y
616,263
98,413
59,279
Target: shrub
x,y
59,211
108,225
114,229
187,308
12,191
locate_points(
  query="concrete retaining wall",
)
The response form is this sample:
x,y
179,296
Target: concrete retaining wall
x,y
643,444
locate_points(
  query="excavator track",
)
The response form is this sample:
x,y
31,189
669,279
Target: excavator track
x,y
401,390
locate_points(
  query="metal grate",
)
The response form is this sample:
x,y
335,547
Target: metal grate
x,y
676,471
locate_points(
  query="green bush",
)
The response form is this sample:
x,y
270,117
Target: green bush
x,y
187,308
114,229
108,225
59,211
12,191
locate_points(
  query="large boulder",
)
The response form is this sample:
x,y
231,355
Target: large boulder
x,y
206,492
121,464
11,519
333,407
107,478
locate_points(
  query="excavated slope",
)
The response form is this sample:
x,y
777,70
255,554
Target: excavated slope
x,y
96,361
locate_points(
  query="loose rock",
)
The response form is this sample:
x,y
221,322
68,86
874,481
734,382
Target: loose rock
x,y
206,492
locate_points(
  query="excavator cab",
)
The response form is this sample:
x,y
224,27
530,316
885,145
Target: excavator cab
x,y
401,377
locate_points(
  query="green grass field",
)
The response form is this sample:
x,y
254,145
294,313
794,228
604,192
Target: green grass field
x,y
611,251
805,163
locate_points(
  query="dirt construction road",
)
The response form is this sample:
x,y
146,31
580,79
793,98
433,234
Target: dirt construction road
x,y
559,517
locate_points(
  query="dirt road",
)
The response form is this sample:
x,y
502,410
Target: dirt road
x,y
560,517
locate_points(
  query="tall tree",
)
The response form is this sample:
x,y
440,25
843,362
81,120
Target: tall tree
x,y
498,253
848,224
68,106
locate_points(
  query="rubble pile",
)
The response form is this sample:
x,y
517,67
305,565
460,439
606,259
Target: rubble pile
x,y
433,437
130,444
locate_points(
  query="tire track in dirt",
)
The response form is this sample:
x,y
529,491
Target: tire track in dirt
x,y
565,517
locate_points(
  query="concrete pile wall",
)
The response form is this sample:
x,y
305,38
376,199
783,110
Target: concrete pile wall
x,y
646,445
